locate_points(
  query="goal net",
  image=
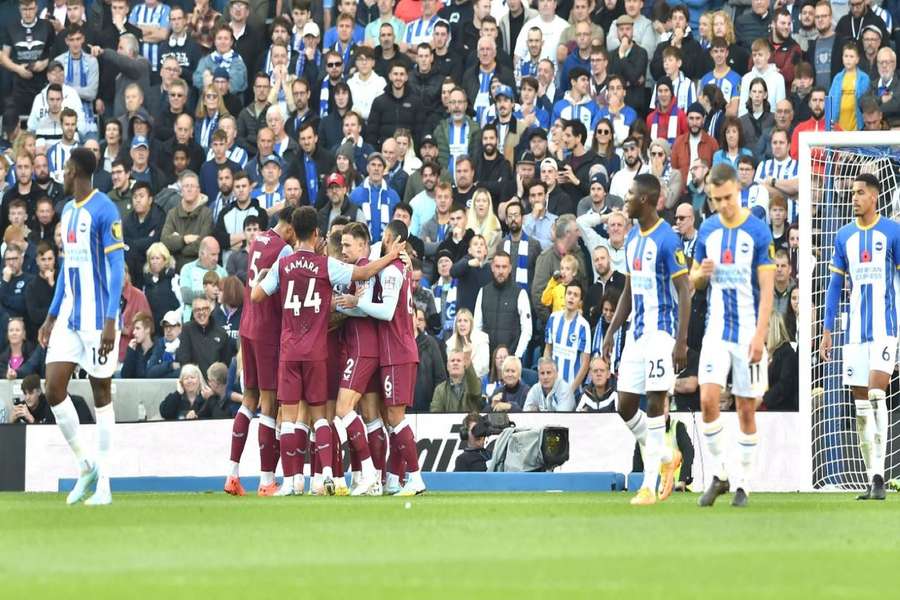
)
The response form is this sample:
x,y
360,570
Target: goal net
x,y
828,164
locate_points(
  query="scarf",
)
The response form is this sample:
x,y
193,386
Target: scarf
x,y
207,126
376,203
301,62
312,178
70,72
521,275
441,231
223,60
672,130
458,144
448,308
483,99
345,54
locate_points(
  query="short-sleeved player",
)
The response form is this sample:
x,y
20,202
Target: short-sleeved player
x,y
870,257
91,231
654,258
260,328
738,253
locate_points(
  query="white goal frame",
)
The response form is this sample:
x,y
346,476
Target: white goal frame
x,y
807,141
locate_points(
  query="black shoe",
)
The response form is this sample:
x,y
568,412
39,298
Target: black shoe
x,y
716,489
740,498
877,488
867,495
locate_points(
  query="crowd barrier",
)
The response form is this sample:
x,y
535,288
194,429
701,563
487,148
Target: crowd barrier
x,y
38,459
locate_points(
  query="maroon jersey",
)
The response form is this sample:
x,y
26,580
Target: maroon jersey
x,y
360,333
262,320
397,337
305,296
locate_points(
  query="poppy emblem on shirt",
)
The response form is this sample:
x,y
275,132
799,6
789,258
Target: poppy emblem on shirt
x,y
71,236
727,257
865,256
637,264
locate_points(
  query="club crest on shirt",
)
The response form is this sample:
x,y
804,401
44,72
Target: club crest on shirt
x,y
772,251
117,230
679,258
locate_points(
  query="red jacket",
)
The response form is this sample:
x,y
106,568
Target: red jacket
x,y
785,56
681,152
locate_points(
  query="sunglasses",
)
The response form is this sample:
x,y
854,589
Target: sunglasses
x,y
335,64
680,217
657,154
211,96
604,131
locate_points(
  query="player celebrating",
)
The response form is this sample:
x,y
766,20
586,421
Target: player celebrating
x,y
399,356
305,279
359,379
80,329
734,256
658,335
868,250
259,354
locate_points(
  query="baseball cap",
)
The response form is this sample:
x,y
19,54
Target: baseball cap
x,y
428,140
549,163
377,156
504,90
335,179
624,20
141,114
221,73
527,158
311,29
138,141
171,318
272,158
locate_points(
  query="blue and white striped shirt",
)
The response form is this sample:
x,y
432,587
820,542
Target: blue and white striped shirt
x,y
571,339
420,31
157,16
57,155
779,169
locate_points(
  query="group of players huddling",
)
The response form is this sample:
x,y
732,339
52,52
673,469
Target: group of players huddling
x,y
312,379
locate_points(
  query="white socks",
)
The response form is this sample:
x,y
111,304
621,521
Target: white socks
x,y
656,439
865,429
638,426
882,423
67,420
747,444
714,433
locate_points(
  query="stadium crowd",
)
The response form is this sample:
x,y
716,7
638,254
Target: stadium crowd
x,y
505,136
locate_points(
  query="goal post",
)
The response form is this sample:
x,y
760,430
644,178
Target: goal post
x,y
828,163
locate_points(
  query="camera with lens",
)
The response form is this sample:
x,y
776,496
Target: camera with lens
x,y
486,425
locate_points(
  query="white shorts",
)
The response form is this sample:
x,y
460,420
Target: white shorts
x,y
83,349
646,364
718,357
859,359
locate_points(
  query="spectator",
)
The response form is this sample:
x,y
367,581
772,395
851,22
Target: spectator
x,y
551,394
35,409
163,363
493,380
14,361
141,227
522,250
14,281
451,134
494,312
472,273
460,236
568,339
374,198
481,218
511,395
778,220
223,56
793,313
554,294
140,347
762,69
27,62
466,338
474,456
757,121
731,145
694,144
538,224
461,391
886,87
685,226
786,51
395,108
202,341
191,275
873,118
784,282
311,166
132,67
25,187
227,314
847,88
187,401
339,203
422,296
133,301
784,367
444,290
229,229
39,290
238,260
187,223
754,23
600,394
820,49
634,164
161,284
431,370
605,278
667,120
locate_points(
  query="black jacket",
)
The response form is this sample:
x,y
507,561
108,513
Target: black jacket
x,y
135,365
783,380
139,236
430,371
695,62
44,415
331,131
428,87
470,281
497,176
38,296
348,209
390,113
500,314
160,295
324,161
203,346
582,168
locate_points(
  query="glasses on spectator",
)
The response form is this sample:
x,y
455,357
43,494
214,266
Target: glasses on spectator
x,y
335,64
175,95
201,309
212,96
657,153
680,217
604,131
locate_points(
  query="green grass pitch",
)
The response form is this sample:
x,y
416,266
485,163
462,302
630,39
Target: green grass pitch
x,y
484,546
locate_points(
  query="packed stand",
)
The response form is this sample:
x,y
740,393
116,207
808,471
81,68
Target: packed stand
x,y
506,136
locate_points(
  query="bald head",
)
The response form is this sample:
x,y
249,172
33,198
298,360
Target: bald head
x,y
209,252
784,113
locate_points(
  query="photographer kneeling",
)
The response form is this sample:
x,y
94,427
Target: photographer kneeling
x,y
474,456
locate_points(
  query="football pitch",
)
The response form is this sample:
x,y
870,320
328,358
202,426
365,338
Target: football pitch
x,y
460,545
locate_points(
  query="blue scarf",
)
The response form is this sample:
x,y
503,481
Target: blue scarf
x,y
312,178
521,275
207,126
324,95
379,220
70,72
442,231
462,140
345,54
